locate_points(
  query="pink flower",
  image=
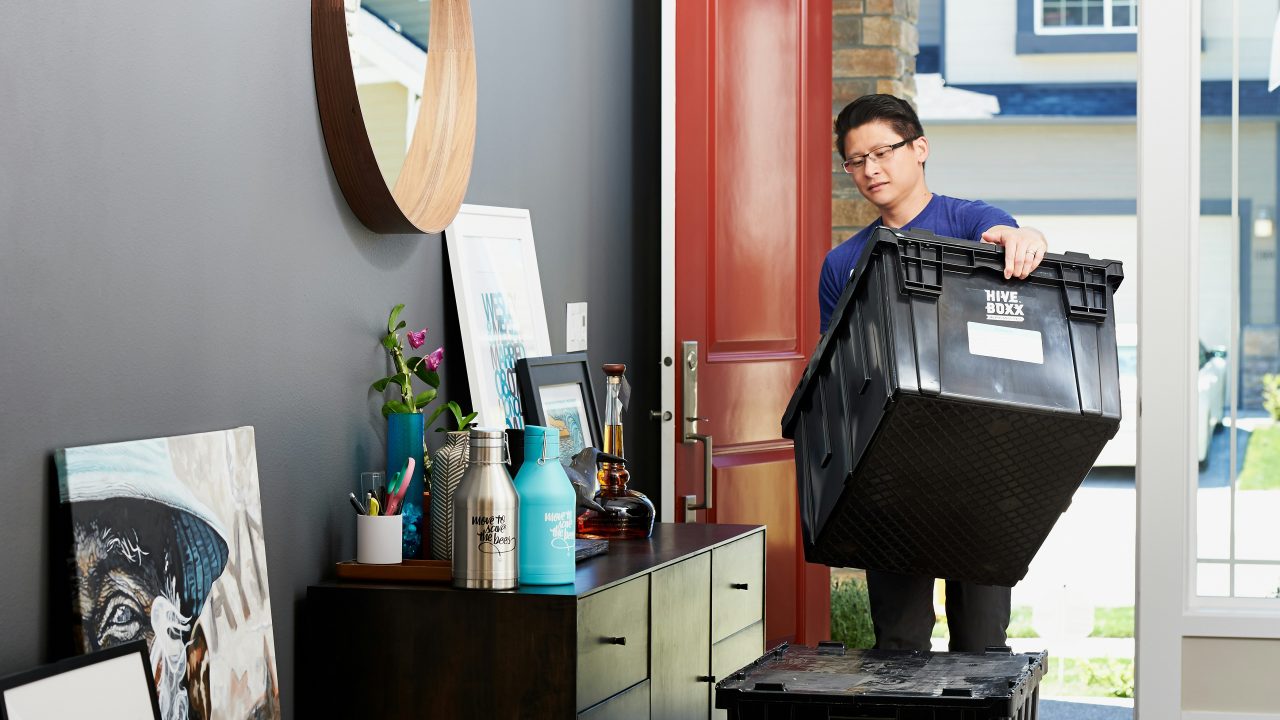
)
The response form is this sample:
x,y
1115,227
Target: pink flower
x,y
416,339
435,358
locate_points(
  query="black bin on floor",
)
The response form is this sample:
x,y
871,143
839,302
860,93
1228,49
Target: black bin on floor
x,y
801,683
948,415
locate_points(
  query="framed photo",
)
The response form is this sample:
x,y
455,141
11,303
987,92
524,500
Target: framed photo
x,y
112,684
500,308
556,392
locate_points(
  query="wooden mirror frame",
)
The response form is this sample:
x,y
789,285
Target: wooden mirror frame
x,y
437,164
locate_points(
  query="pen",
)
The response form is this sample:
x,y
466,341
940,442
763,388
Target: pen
x,y
360,510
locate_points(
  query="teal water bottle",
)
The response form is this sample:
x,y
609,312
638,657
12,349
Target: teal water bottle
x,y
547,509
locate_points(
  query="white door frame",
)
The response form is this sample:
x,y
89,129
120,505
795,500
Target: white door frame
x,y
667,334
1168,214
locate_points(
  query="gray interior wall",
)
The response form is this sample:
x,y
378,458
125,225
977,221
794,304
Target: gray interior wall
x,y
176,257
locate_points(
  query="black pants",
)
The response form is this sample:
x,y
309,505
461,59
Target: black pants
x,y
902,612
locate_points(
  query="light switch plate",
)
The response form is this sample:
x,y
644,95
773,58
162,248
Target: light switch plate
x,y
575,337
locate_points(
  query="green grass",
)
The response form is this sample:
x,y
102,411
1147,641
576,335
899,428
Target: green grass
x,y
1261,469
1113,622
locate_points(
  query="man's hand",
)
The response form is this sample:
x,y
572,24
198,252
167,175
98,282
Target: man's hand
x,y
1024,248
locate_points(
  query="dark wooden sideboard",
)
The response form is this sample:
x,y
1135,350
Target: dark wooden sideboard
x,y
644,631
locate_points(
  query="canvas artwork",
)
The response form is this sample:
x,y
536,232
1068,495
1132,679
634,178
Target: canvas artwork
x,y
168,548
563,407
500,308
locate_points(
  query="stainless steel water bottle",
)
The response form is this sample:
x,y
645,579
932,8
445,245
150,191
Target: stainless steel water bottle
x,y
486,516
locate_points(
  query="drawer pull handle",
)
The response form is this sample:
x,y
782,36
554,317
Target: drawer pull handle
x,y
615,640
707,678
738,586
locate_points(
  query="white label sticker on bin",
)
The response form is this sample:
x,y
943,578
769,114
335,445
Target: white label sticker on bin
x,y
1010,343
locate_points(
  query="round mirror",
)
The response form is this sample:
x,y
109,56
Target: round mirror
x,y
395,83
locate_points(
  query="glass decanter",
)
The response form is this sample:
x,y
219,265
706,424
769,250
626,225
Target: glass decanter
x,y
628,515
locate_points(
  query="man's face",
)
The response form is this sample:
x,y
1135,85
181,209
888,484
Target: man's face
x,y
887,181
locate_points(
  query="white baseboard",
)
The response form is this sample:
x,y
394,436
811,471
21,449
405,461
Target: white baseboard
x,y
1206,715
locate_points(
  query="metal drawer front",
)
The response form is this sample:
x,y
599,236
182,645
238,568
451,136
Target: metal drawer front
x,y
629,705
737,586
613,641
734,653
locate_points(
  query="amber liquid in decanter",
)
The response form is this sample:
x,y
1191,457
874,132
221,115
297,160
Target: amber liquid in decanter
x,y
628,515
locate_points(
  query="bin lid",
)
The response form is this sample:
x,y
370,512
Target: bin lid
x,y
956,253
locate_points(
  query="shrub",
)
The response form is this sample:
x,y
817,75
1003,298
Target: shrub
x,y
1113,675
1271,394
851,614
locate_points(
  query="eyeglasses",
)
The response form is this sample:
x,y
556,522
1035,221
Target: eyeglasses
x,y
880,155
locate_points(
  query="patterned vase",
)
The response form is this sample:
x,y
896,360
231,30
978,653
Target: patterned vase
x,y
447,466
404,440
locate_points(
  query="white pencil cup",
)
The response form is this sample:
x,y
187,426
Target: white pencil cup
x,y
378,539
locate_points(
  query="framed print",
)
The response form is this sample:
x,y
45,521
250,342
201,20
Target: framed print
x,y
500,308
111,684
556,392
168,548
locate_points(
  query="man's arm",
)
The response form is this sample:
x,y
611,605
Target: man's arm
x,y
1024,248
829,289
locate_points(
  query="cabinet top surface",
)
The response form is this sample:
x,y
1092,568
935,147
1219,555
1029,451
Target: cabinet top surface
x,y
625,559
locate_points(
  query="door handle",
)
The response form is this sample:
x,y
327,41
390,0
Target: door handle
x,y
689,371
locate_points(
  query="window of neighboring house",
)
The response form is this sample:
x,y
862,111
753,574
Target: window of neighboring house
x,y
1086,16
1077,26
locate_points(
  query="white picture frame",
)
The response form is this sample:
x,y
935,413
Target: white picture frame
x,y
111,684
500,309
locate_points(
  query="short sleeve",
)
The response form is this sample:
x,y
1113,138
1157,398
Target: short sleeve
x,y
981,217
829,289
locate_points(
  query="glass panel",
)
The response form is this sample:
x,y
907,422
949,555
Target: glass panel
x,y
1238,440
1094,16
1213,580
1258,581
1120,16
1075,16
1212,444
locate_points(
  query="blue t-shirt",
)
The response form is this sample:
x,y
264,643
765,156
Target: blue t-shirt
x,y
946,216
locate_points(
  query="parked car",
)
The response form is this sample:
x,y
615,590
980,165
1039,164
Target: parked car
x,y
1122,450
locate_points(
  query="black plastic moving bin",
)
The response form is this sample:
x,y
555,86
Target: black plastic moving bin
x,y
801,683
948,415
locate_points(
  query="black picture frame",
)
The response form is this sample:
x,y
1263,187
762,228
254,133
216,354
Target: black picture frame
x,y
137,649
534,374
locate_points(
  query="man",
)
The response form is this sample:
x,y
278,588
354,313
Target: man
x,y
884,150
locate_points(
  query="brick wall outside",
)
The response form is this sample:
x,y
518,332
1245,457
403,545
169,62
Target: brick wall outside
x,y
874,47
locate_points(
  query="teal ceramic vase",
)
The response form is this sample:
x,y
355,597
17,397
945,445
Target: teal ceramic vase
x,y
404,441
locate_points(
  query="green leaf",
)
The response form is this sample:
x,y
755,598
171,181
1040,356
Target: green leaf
x,y
400,379
430,377
390,341
457,412
399,326
395,313
397,406
381,385
462,425
424,397
386,409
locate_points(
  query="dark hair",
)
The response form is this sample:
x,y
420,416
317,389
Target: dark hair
x,y
894,111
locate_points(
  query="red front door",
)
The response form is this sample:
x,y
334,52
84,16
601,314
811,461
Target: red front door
x,y
752,216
